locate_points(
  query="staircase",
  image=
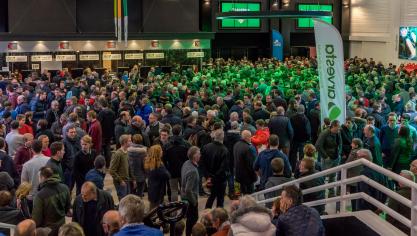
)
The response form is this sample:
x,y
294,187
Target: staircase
x,y
363,223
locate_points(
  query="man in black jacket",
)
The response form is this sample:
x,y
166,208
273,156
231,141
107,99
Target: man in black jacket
x,y
7,164
107,117
302,134
175,154
72,147
259,112
89,208
244,156
232,137
215,166
8,214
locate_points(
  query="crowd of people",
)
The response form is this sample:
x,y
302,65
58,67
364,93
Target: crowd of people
x,y
235,127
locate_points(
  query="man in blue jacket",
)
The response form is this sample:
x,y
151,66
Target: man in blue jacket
x,y
263,163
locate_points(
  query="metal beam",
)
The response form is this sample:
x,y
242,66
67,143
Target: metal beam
x,y
272,14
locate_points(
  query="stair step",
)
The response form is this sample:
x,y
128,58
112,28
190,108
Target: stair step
x,y
364,223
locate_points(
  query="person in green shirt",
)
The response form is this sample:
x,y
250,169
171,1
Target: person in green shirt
x,y
402,150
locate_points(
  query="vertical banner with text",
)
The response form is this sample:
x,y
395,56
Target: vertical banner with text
x,y
277,45
329,46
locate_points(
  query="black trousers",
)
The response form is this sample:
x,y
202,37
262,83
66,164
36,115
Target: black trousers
x,y
192,217
217,192
246,188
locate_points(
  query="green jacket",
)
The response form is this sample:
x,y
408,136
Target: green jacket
x,y
51,204
119,166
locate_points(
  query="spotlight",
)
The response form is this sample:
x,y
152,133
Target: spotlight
x,y
275,4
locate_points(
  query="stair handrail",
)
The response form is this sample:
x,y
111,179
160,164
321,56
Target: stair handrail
x,y
344,196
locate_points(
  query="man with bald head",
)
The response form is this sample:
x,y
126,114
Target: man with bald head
x,y
89,208
26,228
244,154
111,222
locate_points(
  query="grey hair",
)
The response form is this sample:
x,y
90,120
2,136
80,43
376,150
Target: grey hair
x,y
409,175
367,153
218,135
234,114
247,201
132,209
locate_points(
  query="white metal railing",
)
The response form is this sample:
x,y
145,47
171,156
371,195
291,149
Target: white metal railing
x,y
344,196
8,226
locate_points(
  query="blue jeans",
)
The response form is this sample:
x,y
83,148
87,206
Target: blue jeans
x,y
327,164
122,191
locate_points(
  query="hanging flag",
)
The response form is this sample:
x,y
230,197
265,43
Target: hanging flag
x,y
126,19
115,18
277,45
119,20
329,47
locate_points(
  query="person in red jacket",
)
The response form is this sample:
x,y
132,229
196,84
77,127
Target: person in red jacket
x,y
23,127
95,130
261,137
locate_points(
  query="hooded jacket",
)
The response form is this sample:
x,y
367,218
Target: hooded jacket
x,y
300,220
51,204
137,154
252,221
175,154
263,163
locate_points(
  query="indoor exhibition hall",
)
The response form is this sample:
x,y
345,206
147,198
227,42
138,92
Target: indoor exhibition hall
x,y
208,117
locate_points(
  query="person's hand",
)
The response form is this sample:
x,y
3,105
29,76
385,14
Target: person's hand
x,y
18,203
123,183
134,184
284,206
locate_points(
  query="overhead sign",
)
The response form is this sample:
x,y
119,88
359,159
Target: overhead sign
x,y
16,58
89,57
41,58
329,46
65,58
134,56
195,54
155,55
110,57
35,66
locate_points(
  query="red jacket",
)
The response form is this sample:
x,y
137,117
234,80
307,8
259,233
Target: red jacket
x,y
261,137
23,154
96,134
25,129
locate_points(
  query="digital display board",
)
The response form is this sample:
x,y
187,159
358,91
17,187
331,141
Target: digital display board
x,y
240,23
407,43
308,22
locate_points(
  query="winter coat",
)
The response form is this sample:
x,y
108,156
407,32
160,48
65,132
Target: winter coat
x,y
215,161
157,181
96,133
329,145
252,221
72,147
7,165
120,128
144,112
137,154
261,137
260,114
51,204
175,154
302,128
104,203
231,138
83,162
244,159
300,220
97,177
310,184
172,120
281,126
107,119
263,164
138,230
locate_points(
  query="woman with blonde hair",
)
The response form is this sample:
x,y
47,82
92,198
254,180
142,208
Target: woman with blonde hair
x,y
158,176
21,198
310,152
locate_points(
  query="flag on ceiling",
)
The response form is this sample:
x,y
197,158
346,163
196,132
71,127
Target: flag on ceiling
x,y
126,19
119,20
115,17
